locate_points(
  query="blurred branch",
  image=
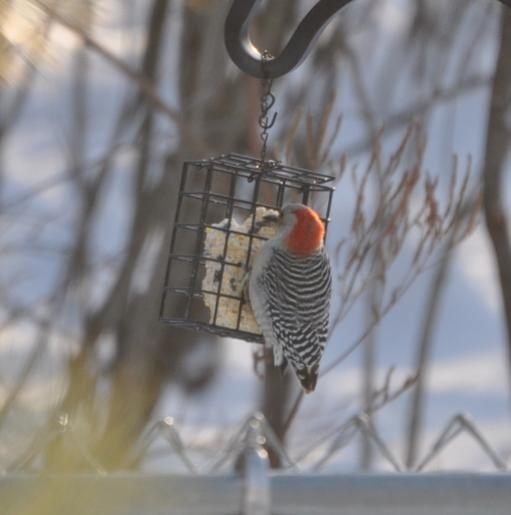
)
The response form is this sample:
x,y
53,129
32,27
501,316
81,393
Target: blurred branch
x,y
12,114
417,109
394,224
115,149
118,438
340,436
422,361
145,85
498,137
27,369
274,399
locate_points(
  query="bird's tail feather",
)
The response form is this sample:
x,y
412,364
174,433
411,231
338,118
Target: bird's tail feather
x,y
308,378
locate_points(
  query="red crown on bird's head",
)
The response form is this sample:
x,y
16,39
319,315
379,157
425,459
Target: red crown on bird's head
x,y
308,233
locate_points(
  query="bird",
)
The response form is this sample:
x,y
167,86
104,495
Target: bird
x,y
289,289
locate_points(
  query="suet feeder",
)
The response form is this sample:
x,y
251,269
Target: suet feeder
x,y
218,228
223,202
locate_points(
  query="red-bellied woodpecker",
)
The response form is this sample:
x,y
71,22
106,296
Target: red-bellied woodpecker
x,y
290,289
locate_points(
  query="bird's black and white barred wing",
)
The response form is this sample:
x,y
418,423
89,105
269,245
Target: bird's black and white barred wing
x,y
298,291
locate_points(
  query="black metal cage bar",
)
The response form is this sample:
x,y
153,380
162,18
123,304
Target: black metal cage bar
x,y
214,195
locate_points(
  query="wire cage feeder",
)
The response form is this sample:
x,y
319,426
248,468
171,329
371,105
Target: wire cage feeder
x,y
218,228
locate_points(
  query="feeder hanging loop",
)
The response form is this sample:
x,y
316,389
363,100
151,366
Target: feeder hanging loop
x,y
250,60
266,122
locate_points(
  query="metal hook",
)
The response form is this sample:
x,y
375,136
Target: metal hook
x,y
248,58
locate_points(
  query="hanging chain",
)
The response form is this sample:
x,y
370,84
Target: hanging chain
x,y
266,121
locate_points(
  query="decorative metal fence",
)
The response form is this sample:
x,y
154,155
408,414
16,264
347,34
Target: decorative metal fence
x,y
238,481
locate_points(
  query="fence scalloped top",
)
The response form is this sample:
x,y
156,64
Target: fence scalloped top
x,y
250,60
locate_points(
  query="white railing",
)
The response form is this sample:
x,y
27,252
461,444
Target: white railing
x,y
142,494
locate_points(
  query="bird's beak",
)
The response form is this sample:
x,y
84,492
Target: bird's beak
x,y
266,220
272,218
